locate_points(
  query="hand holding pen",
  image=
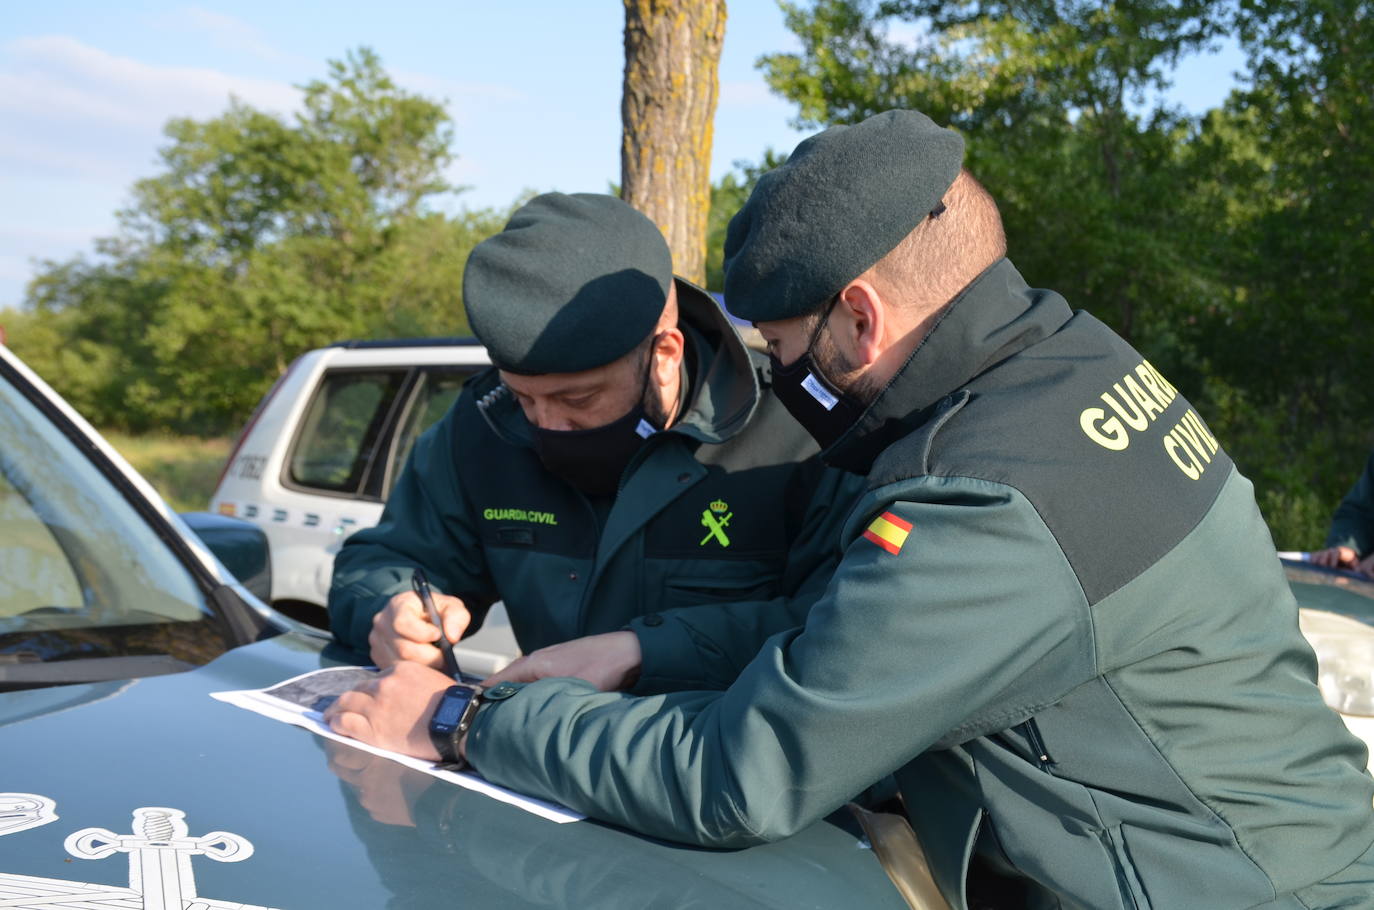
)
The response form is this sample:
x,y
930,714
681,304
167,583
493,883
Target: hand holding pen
x,y
404,630
420,583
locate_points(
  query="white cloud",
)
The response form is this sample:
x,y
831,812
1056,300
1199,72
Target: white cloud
x,y
461,99
77,126
57,77
225,31
746,94
455,90
14,270
908,34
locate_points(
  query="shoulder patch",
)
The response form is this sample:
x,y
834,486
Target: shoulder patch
x,y
889,532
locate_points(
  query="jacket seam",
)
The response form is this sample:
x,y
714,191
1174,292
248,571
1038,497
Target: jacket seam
x,y
1085,604
1058,544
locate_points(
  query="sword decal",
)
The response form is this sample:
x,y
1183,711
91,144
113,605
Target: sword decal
x,y
20,811
160,854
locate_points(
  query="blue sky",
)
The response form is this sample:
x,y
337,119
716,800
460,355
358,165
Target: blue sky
x,y
533,88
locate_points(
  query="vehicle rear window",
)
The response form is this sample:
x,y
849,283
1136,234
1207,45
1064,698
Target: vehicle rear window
x,y
436,394
342,429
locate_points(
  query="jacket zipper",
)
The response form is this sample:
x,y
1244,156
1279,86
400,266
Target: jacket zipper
x,y
1042,755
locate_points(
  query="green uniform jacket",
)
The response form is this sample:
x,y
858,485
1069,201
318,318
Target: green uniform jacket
x,y
1060,623
1353,524
725,529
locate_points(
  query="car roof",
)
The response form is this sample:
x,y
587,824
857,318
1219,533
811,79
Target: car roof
x,y
402,352
452,341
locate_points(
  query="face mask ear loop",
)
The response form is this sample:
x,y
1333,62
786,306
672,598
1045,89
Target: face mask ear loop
x,y
644,388
820,326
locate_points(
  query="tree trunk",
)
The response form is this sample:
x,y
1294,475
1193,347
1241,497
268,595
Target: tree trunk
x,y
672,54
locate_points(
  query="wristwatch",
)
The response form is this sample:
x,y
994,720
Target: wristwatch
x,y
451,720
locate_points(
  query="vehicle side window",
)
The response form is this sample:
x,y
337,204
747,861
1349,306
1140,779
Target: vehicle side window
x,y
342,429
83,575
34,571
436,394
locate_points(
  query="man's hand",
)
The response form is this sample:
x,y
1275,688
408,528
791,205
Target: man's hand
x,y
385,789
609,662
393,710
1336,558
402,631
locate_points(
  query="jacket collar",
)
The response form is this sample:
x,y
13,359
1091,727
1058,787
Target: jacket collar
x,y
993,318
724,386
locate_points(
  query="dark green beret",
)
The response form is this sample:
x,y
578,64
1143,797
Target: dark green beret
x,y
571,283
843,200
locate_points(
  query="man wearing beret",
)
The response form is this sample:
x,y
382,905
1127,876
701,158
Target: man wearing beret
x,y
1058,621
619,473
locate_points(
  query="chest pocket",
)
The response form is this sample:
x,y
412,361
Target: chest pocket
x,y
711,581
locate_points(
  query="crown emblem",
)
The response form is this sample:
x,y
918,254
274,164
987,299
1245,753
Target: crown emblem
x,y
719,506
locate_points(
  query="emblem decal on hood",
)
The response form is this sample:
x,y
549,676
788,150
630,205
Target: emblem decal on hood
x,y
160,850
20,811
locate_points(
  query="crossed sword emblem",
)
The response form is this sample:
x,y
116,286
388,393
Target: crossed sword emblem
x,y
715,527
160,854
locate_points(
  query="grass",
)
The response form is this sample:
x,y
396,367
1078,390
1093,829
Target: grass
x,y
181,468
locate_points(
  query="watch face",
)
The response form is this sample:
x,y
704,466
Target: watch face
x,y
451,707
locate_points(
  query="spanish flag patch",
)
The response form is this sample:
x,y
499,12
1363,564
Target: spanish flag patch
x,y
889,532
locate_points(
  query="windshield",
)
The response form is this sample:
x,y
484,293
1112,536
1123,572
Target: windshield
x,y
87,589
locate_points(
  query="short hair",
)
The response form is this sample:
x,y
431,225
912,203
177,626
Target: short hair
x,y
945,252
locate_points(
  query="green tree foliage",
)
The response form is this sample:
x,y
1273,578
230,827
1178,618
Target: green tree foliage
x,y
263,236
1234,248
1291,163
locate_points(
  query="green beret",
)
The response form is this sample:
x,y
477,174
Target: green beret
x,y
571,283
843,200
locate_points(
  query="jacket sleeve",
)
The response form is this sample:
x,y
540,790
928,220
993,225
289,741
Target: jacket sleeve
x,y
427,523
968,626
1353,523
707,645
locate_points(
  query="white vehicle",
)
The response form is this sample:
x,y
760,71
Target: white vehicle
x,y
323,449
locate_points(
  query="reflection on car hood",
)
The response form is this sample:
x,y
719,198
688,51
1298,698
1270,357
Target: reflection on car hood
x,y
99,779
1331,590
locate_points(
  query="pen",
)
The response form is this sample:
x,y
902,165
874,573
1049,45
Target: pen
x,y
420,583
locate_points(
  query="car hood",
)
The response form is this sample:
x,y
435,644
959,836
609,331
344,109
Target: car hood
x,y
1343,593
103,785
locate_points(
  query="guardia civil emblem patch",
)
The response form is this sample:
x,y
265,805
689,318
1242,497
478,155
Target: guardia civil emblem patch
x,y
715,518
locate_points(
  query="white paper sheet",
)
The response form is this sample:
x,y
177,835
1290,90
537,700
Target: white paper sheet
x,y
301,701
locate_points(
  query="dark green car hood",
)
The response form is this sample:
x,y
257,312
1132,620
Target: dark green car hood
x,y
1331,590
100,752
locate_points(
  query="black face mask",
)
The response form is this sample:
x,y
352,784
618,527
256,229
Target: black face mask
x,y
594,460
822,408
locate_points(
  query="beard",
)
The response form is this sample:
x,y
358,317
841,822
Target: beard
x,y
844,373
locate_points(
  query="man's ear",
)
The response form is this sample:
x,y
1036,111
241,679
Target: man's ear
x,y
861,322
670,347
